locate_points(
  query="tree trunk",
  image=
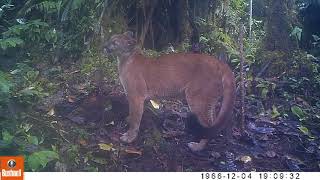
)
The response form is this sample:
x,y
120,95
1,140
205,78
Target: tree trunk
x,y
278,27
278,45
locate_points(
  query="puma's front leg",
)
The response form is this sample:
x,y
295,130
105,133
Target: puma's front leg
x,y
134,119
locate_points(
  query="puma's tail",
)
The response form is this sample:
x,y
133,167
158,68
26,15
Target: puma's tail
x,y
228,89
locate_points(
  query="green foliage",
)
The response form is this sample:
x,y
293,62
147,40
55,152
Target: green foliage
x,y
27,33
22,86
27,86
303,76
7,137
39,160
10,43
48,26
5,86
265,87
94,61
218,41
21,142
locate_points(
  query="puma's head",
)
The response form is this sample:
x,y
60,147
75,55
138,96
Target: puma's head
x,y
120,44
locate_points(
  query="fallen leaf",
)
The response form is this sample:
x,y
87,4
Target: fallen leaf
x,y
155,104
271,154
83,142
51,112
110,123
71,99
265,137
215,155
133,151
295,159
106,147
246,159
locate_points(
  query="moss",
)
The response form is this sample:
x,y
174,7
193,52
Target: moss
x,y
151,53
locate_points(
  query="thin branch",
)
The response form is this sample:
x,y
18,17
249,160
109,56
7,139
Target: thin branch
x,y
242,88
250,21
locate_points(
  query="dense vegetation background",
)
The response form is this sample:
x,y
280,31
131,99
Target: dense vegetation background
x,y
50,54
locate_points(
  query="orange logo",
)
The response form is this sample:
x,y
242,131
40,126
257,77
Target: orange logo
x,y
12,167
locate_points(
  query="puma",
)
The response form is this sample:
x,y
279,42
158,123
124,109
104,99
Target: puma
x,y
201,79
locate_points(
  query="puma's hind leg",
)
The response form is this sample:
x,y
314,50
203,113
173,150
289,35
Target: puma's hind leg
x,y
202,104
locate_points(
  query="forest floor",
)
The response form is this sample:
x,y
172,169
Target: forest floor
x,y
95,121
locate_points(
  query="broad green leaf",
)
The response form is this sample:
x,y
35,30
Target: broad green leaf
x,y
40,159
33,162
298,112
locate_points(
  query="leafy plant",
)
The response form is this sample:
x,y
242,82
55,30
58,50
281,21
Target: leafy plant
x,y
39,160
5,86
27,87
22,142
265,87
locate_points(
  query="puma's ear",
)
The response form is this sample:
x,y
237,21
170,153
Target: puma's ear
x,y
129,34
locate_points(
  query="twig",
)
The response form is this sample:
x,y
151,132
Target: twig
x,y
100,29
242,77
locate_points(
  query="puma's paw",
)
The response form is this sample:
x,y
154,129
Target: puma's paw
x,y
128,137
195,147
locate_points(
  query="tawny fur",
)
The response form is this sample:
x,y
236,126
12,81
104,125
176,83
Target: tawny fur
x,y
200,78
